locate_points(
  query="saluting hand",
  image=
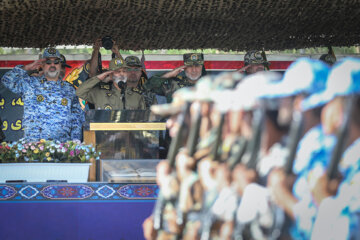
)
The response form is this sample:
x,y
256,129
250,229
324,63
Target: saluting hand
x,y
105,76
243,69
174,72
97,44
35,65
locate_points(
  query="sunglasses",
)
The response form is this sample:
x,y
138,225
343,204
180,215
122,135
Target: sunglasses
x,y
49,62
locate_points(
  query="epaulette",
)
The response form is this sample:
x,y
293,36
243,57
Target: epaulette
x,y
137,90
105,86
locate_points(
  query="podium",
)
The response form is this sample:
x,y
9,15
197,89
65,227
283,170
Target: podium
x,y
131,143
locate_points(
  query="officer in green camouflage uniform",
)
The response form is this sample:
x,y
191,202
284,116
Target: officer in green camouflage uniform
x,y
104,92
184,76
135,71
254,61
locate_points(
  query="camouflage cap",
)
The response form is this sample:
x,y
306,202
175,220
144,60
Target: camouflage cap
x,y
191,59
133,61
51,53
254,57
63,61
180,97
116,63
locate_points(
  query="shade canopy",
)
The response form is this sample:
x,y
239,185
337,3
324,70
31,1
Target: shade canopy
x,y
181,24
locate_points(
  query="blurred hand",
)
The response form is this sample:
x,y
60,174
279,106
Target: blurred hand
x,y
241,177
162,171
324,188
148,228
184,164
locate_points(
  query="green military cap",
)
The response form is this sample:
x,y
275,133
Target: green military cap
x,y
193,59
116,63
255,57
133,61
180,97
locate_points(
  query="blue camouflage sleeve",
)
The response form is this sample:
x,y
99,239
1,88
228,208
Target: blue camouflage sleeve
x,y
77,120
17,80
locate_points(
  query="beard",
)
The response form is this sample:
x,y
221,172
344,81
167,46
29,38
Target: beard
x,y
117,79
52,73
193,77
132,81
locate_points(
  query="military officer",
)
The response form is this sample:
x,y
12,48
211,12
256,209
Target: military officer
x,y
136,75
112,89
254,61
183,76
51,108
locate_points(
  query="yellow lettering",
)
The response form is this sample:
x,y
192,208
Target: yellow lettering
x,y
2,103
5,125
17,125
20,102
17,101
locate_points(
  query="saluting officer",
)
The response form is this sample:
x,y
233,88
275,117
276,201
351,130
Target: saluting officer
x,y
51,108
254,61
111,90
183,76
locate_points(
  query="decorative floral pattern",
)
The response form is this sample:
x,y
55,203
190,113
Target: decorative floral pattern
x,y
134,191
86,191
6,192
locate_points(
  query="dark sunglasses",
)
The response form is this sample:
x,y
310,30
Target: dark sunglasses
x,y
56,61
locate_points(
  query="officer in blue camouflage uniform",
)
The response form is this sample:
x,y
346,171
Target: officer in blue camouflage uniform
x,y
51,108
183,76
339,216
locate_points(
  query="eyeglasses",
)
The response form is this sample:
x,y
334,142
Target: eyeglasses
x,y
49,62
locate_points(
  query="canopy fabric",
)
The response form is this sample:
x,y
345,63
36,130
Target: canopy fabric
x,y
181,24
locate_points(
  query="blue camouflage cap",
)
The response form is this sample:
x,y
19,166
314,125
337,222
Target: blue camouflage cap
x,y
51,52
305,75
343,80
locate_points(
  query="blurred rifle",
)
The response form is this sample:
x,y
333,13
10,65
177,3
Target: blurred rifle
x,y
100,69
266,65
239,150
296,131
254,144
192,142
342,135
209,217
175,145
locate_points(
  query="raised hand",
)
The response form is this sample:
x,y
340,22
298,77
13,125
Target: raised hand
x,y
97,44
174,72
34,65
105,76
